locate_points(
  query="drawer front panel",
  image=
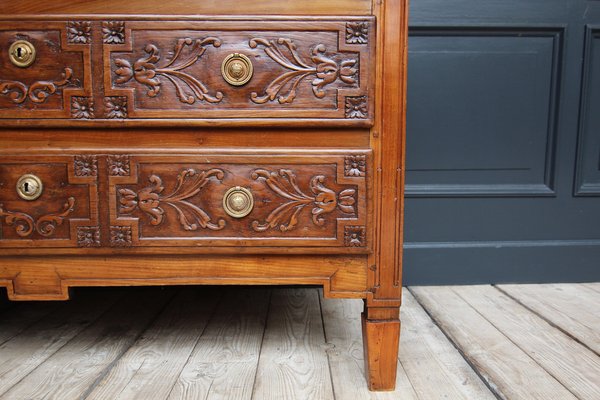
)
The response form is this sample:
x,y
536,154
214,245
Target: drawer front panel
x,y
64,215
311,200
59,75
314,69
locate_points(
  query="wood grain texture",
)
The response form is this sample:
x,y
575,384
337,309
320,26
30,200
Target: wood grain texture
x,y
44,338
571,307
225,358
573,365
150,367
98,346
292,362
509,370
425,348
341,320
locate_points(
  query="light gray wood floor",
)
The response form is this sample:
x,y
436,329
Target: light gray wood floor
x,y
459,342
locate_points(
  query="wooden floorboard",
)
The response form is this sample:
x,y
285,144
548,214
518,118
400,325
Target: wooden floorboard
x,y
574,308
573,365
509,371
462,342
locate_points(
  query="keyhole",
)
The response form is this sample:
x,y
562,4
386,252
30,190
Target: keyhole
x,y
26,187
19,52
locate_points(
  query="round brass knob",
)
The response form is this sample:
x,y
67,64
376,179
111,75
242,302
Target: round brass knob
x,y
29,187
238,202
21,53
237,69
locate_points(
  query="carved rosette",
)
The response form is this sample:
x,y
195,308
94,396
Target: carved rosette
x,y
120,236
150,200
37,92
148,72
322,200
119,165
116,107
113,32
356,107
86,165
45,225
82,107
357,32
355,236
355,165
79,32
324,69
88,236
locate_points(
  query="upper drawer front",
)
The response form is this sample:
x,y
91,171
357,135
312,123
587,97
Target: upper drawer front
x,y
215,70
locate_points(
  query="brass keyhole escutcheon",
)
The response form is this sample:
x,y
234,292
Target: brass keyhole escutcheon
x,y
21,53
238,202
29,187
237,69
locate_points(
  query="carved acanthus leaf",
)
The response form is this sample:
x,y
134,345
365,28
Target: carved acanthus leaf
x,y
147,71
323,200
324,69
189,183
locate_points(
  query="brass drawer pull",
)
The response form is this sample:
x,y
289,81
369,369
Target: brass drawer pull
x,y
21,53
237,69
29,187
238,202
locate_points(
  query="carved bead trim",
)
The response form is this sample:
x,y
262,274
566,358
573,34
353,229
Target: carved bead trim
x,y
37,92
285,216
116,107
356,107
147,71
120,236
45,225
86,165
324,69
113,32
357,32
355,236
88,236
150,200
119,165
355,165
79,32
82,107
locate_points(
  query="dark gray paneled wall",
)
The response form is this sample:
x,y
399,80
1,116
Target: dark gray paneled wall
x,y
503,141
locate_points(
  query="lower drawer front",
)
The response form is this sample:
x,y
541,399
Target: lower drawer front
x,y
264,200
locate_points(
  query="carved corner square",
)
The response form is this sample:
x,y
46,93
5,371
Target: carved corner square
x,y
355,236
88,236
120,236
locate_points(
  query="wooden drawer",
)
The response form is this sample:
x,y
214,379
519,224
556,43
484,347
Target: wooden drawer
x,y
259,71
305,201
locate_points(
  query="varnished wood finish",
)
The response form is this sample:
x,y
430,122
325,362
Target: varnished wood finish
x,y
126,118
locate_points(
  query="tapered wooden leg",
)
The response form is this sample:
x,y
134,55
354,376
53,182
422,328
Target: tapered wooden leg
x,y
380,341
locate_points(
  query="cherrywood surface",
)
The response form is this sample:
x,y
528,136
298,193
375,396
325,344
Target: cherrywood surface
x,y
126,118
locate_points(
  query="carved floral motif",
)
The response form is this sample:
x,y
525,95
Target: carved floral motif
x,y
120,236
355,165
79,32
324,69
322,199
147,71
46,225
116,107
37,92
88,236
82,107
118,165
354,236
357,32
113,32
86,165
189,183
356,107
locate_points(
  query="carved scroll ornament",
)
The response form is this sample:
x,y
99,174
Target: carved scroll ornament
x,y
324,69
37,92
322,200
46,225
189,183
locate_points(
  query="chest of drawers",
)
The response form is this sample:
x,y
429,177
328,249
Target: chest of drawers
x,y
200,142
